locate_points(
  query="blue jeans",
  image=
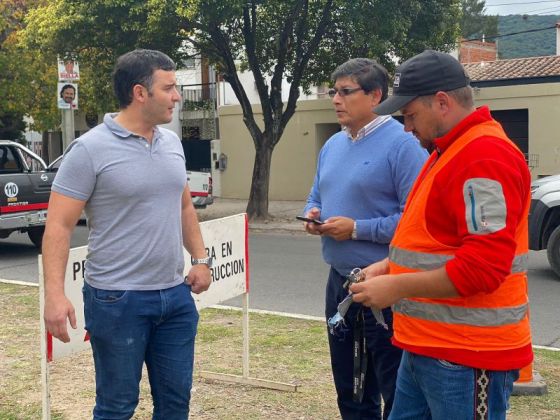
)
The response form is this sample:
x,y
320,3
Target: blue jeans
x,y
382,364
128,328
429,388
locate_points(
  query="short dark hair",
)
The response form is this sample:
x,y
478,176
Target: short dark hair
x,y
368,73
67,86
137,68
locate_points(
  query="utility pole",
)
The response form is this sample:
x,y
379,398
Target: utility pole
x,y
67,127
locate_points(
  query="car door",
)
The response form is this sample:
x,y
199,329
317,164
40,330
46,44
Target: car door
x,y
40,180
24,184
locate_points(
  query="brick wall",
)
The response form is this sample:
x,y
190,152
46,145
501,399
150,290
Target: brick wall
x,y
477,51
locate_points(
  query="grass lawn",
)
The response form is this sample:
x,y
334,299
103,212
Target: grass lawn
x,y
282,349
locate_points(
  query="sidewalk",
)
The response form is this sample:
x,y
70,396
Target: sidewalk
x,y
283,214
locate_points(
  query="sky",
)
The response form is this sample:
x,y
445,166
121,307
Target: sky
x,y
530,7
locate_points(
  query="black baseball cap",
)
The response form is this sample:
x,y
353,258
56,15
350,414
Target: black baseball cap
x,y
424,74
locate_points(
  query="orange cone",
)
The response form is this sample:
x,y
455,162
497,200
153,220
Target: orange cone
x,y
529,382
526,374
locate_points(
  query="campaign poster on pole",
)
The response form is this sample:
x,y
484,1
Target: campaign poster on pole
x,y
67,95
68,70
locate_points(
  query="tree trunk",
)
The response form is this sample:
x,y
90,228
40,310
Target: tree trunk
x,y
257,207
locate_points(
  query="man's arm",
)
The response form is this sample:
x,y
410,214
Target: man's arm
x,y
406,161
313,207
384,290
199,275
62,216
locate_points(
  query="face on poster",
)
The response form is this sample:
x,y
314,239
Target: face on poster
x,y
67,95
68,70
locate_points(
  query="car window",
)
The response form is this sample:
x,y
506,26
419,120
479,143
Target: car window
x,y
32,163
53,167
9,162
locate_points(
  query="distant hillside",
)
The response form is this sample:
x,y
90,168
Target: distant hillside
x,y
532,44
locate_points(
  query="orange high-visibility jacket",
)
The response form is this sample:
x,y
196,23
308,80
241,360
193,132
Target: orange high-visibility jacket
x,y
484,322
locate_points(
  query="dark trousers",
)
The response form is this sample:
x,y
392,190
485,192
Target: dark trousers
x,y
383,357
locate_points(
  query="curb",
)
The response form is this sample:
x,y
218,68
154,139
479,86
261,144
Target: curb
x,y
536,387
284,228
19,283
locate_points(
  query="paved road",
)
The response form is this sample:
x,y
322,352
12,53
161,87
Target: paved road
x,y
288,275
18,256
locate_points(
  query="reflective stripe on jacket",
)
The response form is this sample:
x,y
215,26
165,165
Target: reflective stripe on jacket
x,y
483,322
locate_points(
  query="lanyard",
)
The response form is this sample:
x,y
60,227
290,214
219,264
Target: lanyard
x,y
360,358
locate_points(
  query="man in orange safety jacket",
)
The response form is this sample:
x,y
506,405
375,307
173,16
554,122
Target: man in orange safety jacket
x,y
456,274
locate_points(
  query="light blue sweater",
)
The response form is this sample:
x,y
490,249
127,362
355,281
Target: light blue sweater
x,y
367,180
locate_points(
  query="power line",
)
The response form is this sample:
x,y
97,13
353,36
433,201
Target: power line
x,y
520,4
542,10
549,11
512,33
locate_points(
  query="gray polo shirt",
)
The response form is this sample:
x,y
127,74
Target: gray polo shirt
x,y
132,191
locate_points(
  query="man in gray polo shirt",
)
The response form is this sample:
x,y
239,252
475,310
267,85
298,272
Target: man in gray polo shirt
x,y
129,175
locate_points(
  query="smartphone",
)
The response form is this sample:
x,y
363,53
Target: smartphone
x,y
307,219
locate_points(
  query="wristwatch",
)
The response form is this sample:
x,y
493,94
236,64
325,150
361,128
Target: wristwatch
x,y
354,234
207,261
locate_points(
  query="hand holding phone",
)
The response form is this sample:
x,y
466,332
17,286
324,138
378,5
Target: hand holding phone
x,y
308,220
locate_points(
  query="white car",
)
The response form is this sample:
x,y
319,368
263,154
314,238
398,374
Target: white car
x,y
544,219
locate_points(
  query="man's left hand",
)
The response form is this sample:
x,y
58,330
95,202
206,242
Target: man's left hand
x,y
377,292
199,278
338,227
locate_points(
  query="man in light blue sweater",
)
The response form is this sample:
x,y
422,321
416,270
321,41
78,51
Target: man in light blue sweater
x,y
364,174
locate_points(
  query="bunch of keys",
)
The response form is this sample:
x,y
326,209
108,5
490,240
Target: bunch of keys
x,y
355,276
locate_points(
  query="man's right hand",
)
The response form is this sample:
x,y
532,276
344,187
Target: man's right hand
x,y
58,309
310,227
378,268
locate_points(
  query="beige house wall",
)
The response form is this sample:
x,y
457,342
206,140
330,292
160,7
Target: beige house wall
x,y
294,159
543,104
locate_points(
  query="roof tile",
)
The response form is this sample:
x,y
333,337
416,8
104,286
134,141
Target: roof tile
x,y
516,68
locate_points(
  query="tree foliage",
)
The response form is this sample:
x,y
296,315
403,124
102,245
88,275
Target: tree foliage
x,y
96,33
12,124
474,23
28,80
527,44
301,41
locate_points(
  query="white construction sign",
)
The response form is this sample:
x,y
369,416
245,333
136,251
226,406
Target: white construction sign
x,y
226,243
73,283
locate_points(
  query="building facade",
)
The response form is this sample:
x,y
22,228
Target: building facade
x,y
523,94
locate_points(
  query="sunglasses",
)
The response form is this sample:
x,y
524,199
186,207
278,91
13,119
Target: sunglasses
x,y
343,92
